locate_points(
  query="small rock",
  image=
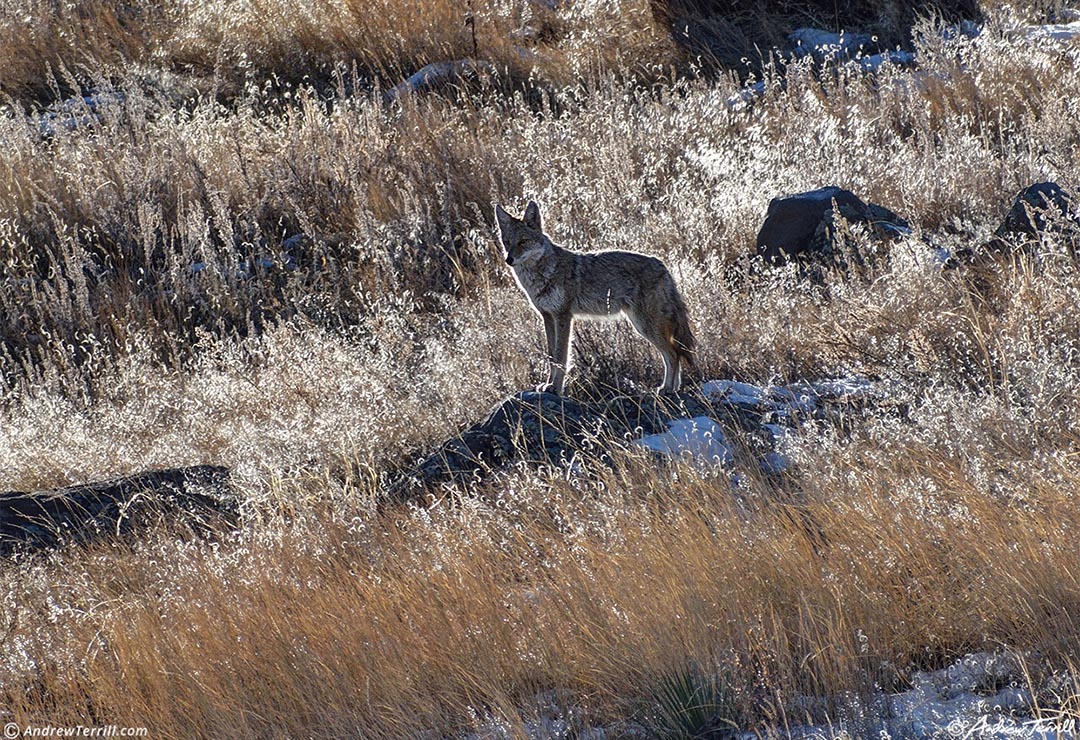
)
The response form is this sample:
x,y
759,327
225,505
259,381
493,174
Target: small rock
x,y
78,112
1033,211
875,62
439,74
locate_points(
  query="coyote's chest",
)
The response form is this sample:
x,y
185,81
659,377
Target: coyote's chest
x,y
546,292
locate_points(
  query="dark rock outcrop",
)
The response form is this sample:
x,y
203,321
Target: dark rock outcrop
x,y
804,227
1044,208
731,33
735,423
196,497
533,426
1039,208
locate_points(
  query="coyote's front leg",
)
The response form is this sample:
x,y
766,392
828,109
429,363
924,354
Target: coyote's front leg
x,y
558,349
549,336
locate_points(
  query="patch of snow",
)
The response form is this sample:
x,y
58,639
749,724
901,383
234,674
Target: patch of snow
x,y
704,441
840,390
700,438
1056,32
779,408
554,717
875,62
734,392
961,702
795,398
824,45
747,95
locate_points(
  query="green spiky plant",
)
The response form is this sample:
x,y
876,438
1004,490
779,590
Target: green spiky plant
x,y
690,703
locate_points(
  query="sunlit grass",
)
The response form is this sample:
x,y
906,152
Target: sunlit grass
x,y
158,308
417,621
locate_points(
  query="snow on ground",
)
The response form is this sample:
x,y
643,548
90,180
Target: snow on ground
x,y
984,696
1056,32
795,399
701,439
846,49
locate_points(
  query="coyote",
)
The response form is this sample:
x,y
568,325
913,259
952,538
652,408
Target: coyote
x,y
562,284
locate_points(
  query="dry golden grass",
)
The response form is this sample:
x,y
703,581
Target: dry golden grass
x,y
419,623
52,48
135,333
45,43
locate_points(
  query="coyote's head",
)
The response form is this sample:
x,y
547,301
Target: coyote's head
x,y
522,238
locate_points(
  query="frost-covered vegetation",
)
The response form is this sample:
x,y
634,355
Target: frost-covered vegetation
x,y
235,251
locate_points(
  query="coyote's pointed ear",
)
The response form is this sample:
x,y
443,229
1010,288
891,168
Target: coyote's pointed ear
x,y
503,218
532,216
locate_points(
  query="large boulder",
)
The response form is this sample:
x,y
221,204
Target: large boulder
x,y
804,226
546,429
196,497
531,425
733,425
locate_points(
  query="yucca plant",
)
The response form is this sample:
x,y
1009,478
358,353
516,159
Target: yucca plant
x,y
690,703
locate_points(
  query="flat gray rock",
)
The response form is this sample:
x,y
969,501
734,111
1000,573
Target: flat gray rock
x,y
196,497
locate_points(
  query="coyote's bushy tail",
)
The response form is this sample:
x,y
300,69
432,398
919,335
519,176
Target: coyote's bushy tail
x,y
682,339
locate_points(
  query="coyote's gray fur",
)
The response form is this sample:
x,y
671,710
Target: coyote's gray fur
x,y
562,284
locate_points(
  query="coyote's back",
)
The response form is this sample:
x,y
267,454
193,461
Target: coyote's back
x,y
562,284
